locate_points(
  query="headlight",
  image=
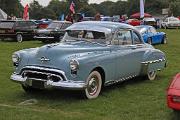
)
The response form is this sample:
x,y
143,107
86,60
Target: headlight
x,y
74,65
15,58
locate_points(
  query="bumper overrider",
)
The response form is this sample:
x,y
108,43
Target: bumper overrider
x,y
46,78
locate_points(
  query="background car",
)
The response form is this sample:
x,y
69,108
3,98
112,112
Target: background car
x,y
171,22
173,93
53,33
150,21
43,23
17,29
151,36
133,22
88,58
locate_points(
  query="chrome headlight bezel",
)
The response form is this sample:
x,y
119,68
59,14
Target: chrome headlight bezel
x,y
16,58
74,65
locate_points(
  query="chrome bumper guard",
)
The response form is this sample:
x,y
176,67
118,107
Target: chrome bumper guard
x,y
74,85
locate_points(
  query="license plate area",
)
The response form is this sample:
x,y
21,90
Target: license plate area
x,y
38,84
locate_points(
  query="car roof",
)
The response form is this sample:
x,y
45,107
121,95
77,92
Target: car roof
x,y
104,26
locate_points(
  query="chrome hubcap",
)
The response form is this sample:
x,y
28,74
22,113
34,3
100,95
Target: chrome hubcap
x,y
19,38
92,86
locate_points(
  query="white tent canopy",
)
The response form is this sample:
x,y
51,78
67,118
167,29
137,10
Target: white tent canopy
x,y
3,15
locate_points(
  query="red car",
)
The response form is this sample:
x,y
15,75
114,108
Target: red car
x,y
134,22
173,93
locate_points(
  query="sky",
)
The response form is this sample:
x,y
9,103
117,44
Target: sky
x,y
46,2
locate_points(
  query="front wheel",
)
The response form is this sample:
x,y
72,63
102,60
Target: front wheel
x,y
151,75
19,38
94,84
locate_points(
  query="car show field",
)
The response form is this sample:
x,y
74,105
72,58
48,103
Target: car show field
x,y
135,99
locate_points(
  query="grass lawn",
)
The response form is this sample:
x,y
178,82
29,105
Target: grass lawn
x,y
131,100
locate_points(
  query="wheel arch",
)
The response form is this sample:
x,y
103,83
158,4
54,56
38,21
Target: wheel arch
x,y
102,73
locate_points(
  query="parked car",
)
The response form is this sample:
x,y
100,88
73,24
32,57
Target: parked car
x,y
43,23
91,55
17,29
171,22
150,21
53,33
133,22
151,36
173,93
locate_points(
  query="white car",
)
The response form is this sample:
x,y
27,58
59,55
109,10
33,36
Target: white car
x,y
171,22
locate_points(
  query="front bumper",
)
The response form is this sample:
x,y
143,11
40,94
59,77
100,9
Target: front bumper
x,y
68,84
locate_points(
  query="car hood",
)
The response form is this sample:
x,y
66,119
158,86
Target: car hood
x,y
58,55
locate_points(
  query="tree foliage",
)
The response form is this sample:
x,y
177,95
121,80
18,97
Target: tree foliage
x,y
107,8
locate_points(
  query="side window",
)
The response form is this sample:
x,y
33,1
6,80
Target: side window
x,y
122,37
137,39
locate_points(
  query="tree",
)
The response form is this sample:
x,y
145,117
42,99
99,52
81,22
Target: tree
x,y
12,7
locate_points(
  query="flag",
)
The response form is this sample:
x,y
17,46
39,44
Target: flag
x,y
72,7
26,13
141,8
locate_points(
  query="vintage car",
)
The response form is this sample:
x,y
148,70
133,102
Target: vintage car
x,y
151,36
17,29
92,54
170,22
133,22
173,93
53,33
150,21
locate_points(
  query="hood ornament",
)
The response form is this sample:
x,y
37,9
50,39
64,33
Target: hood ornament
x,y
44,59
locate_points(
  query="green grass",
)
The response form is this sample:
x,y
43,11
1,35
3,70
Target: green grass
x,y
132,100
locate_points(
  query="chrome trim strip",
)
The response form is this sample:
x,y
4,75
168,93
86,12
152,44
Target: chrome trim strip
x,y
155,61
120,80
36,37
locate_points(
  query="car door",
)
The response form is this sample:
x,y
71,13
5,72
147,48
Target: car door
x,y
128,55
156,37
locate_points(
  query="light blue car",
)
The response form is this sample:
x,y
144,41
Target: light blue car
x,y
91,55
151,36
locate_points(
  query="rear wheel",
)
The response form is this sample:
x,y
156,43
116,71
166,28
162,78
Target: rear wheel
x,y
164,40
19,38
149,41
94,84
151,75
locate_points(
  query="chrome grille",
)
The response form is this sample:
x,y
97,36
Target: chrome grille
x,y
42,74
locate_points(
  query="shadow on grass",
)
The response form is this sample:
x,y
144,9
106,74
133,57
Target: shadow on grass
x,y
175,115
73,95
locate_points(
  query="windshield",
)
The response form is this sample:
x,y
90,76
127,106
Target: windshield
x,y
87,36
54,25
141,29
